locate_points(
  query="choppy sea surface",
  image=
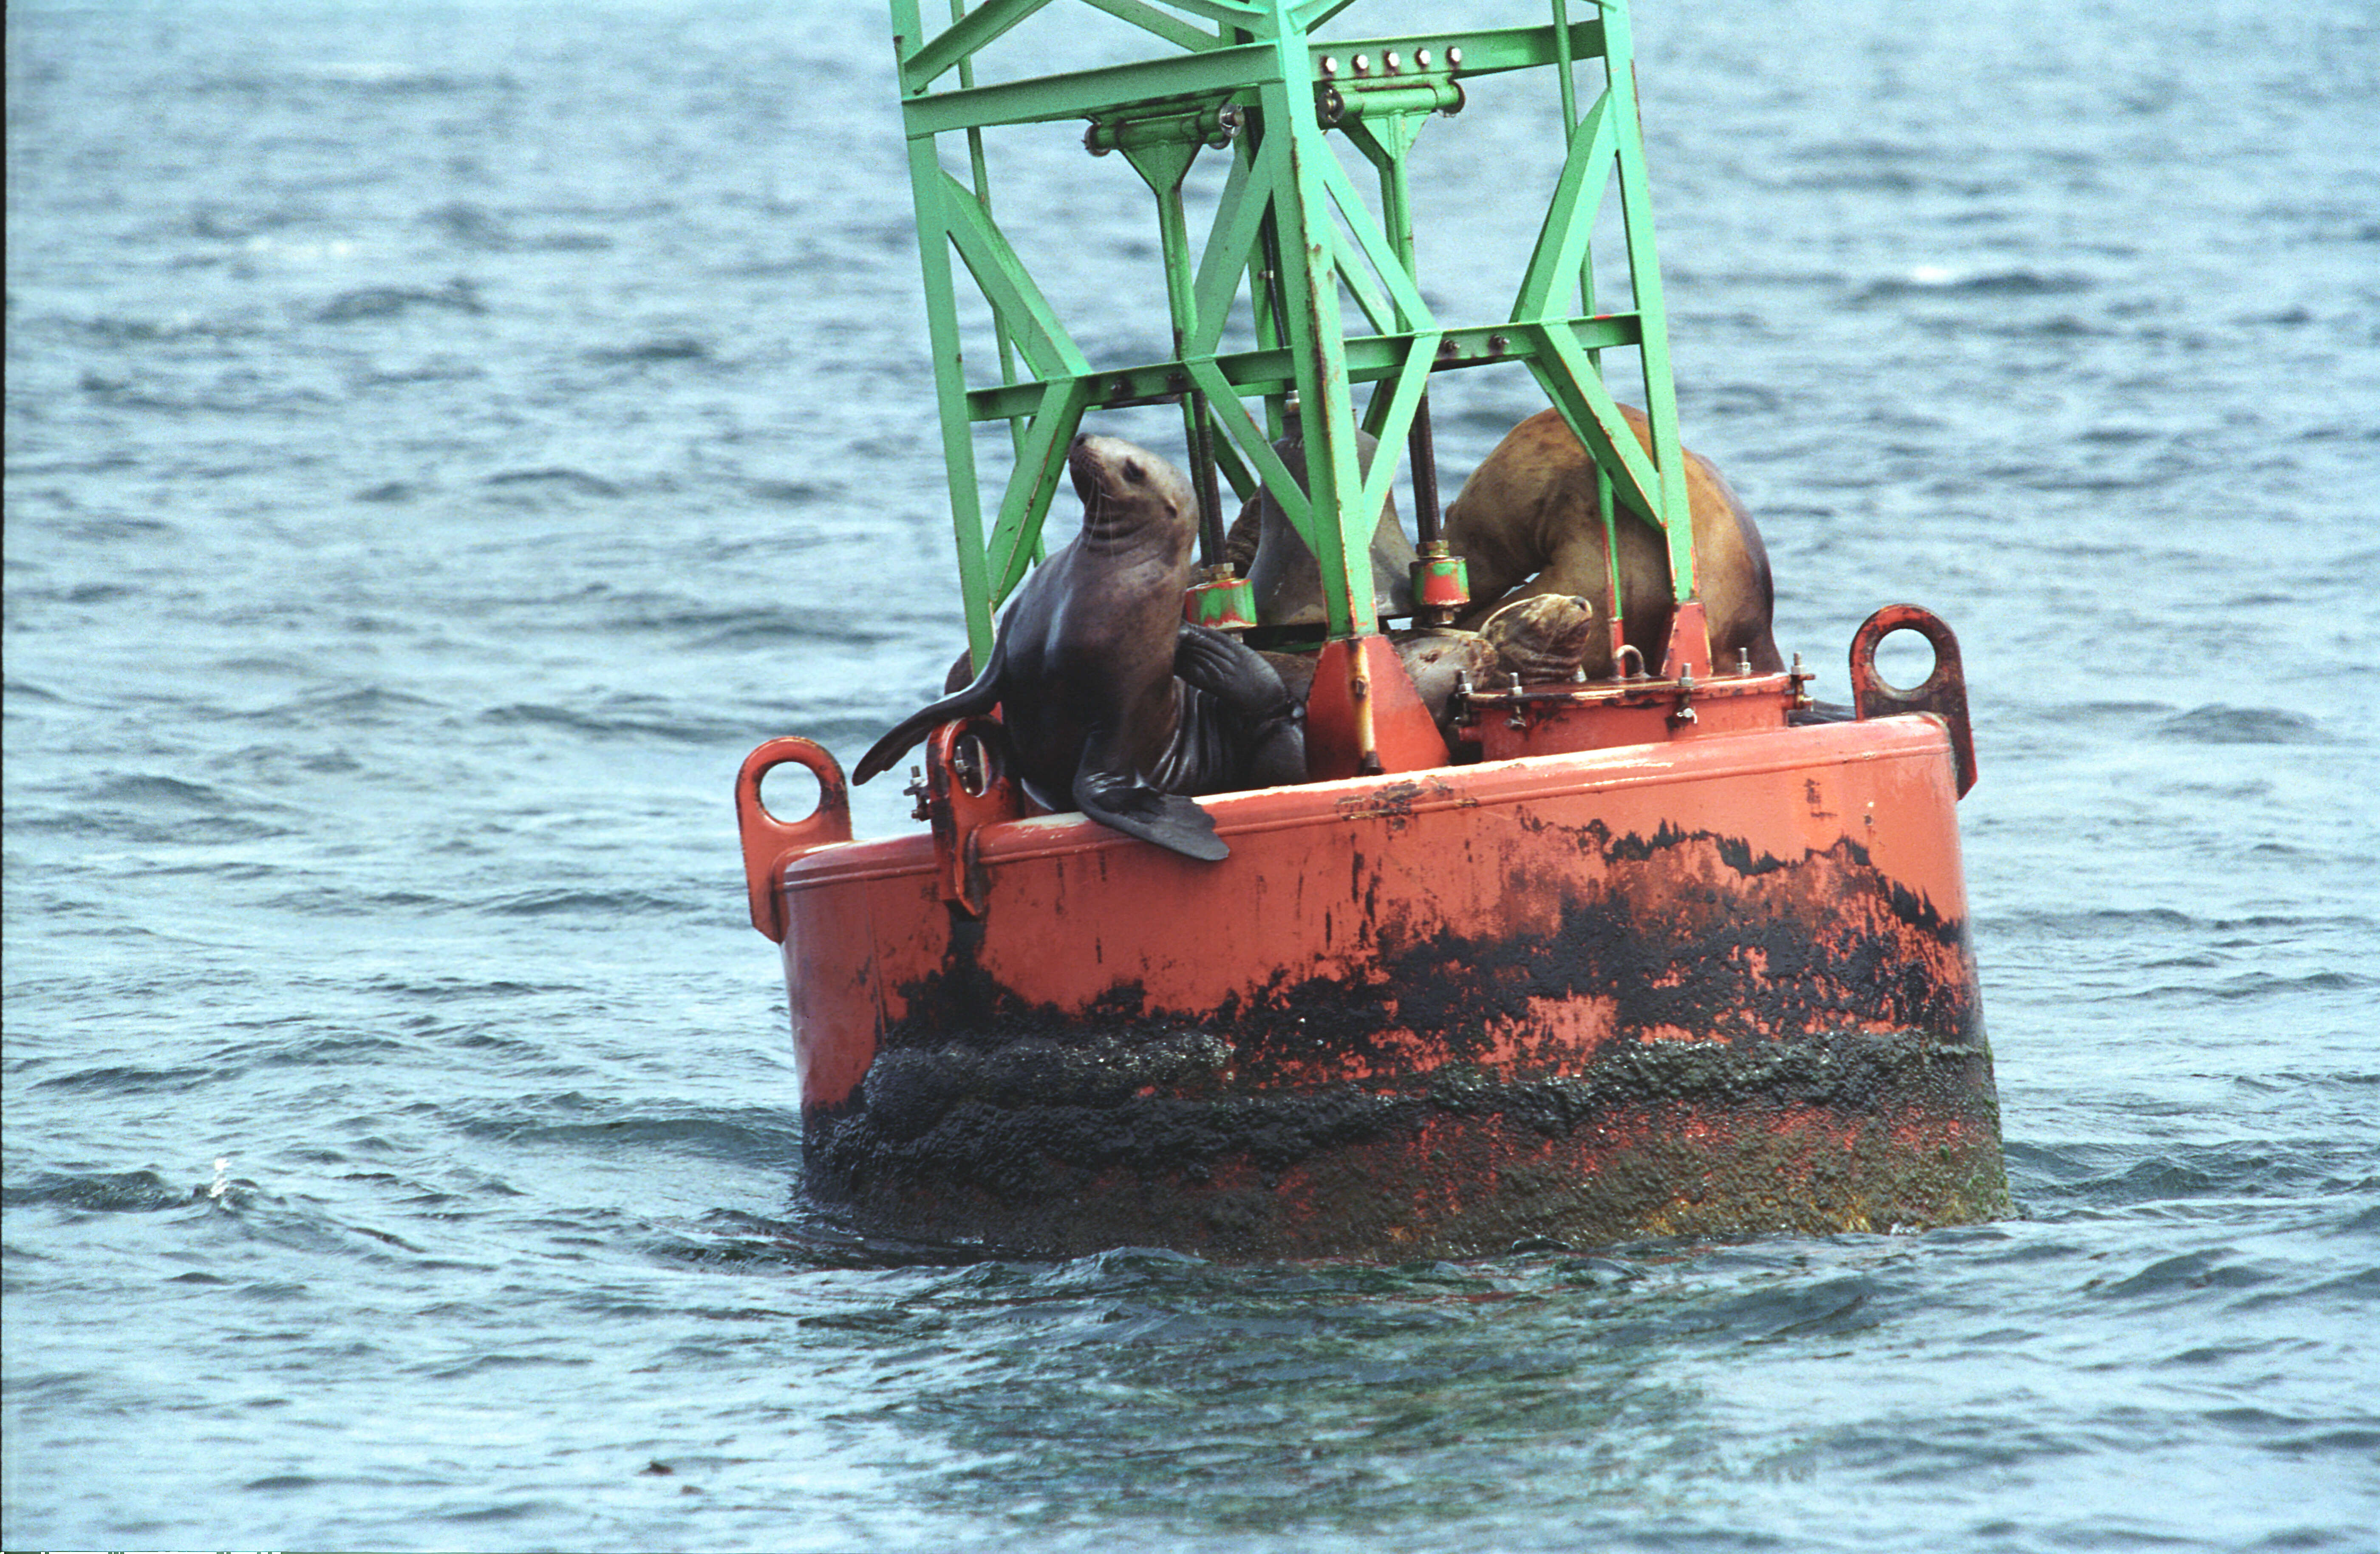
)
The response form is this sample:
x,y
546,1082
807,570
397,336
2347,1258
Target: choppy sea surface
x,y
442,439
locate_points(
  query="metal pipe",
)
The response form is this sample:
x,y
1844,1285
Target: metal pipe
x,y
1423,449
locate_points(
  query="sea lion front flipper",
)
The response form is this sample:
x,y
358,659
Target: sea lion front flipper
x,y
1115,797
974,702
1266,732
1224,666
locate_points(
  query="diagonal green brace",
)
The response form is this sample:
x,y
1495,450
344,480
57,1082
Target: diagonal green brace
x,y
1569,217
1049,350
1040,464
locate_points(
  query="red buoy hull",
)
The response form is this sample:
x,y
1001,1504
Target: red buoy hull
x,y
1722,985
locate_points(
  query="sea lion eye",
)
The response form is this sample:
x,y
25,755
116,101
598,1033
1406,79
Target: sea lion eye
x,y
1134,472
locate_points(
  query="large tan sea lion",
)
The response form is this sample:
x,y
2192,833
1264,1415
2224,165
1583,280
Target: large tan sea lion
x,y
1112,701
1526,524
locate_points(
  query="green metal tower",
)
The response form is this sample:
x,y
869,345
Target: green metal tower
x,y
1291,231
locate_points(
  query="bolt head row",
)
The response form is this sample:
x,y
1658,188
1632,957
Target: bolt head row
x,y
1391,62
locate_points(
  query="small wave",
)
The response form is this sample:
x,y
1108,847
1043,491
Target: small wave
x,y
2189,1272
122,1080
168,792
651,351
438,369
1942,281
728,627
2258,984
2218,725
455,987
792,493
1876,181
682,729
763,1135
519,1511
607,903
182,326
356,707
2098,924
15,689
363,77
578,481
388,302
281,1483
128,1192
474,227
2101,1177
346,901
755,627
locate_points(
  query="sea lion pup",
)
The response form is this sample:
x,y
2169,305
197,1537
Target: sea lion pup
x,y
1266,548
1526,524
1109,699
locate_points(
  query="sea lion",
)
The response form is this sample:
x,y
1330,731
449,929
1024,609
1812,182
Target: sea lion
x,y
1279,567
1436,659
1109,699
1542,638
1526,524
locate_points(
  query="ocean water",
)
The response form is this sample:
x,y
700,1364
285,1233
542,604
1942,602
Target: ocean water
x,y
443,439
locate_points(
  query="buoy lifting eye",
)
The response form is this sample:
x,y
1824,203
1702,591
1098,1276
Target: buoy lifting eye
x,y
1943,692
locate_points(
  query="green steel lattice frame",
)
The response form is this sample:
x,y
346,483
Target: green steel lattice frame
x,y
1292,229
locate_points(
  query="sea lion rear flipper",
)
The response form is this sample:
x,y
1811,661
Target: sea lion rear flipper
x,y
978,698
1120,800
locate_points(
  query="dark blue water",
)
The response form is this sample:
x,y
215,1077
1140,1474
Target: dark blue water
x,y
442,440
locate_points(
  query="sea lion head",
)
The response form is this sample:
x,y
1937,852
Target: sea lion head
x,y
1542,638
1128,490
1279,565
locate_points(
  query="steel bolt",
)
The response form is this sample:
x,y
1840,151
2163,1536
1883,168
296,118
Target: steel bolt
x,y
1363,64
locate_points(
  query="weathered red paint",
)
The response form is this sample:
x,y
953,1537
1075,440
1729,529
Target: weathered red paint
x,y
1719,982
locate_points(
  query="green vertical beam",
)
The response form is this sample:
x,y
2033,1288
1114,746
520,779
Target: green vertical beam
x,y
1162,166
1302,211
1644,276
950,370
981,173
1607,510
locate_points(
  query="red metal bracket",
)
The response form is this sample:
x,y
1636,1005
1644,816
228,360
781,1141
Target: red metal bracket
x,y
1943,693
1689,649
1362,717
967,787
770,843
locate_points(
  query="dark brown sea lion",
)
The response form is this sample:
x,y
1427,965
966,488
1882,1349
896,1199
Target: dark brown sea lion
x,y
1280,567
1111,700
1526,524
